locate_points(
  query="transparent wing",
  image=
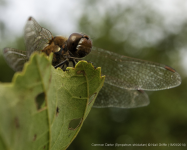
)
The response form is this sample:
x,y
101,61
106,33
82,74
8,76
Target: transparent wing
x,y
130,73
112,96
36,37
15,58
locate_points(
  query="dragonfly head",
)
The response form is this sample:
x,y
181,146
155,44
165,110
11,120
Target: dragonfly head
x,y
79,45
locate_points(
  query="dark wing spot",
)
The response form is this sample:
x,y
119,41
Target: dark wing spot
x,y
30,18
170,69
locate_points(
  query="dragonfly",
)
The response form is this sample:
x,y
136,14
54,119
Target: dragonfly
x,y
126,78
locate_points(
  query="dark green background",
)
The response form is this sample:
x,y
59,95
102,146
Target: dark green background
x,y
127,30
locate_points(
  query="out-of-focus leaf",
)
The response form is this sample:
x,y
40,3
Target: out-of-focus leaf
x,y
43,107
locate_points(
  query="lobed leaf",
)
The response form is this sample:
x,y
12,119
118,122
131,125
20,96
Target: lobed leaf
x,y
43,107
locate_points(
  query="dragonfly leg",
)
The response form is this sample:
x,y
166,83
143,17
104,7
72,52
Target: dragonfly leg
x,y
62,63
67,64
62,67
74,62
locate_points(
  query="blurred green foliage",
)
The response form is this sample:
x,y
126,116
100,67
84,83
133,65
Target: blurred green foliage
x,y
136,31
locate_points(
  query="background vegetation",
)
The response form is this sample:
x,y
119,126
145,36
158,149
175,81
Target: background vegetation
x,y
141,32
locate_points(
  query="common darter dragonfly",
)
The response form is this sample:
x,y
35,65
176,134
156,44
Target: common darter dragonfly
x,y
126,78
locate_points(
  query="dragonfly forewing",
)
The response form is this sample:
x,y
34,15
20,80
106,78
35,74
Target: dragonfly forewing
x,y
130,73
36,37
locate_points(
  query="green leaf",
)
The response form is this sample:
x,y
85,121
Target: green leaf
x,y
43,107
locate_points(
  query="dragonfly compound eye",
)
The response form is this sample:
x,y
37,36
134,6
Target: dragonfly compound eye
x,y
79,45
